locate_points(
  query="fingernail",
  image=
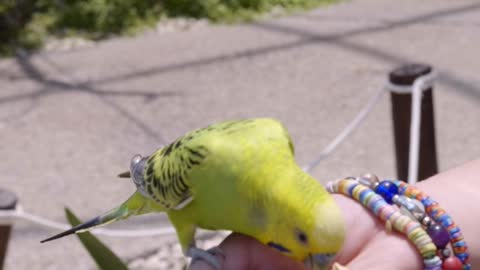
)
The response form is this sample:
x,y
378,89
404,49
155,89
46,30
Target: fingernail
x,y
337,266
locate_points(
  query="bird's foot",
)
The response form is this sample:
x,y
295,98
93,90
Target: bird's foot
x,y
216,251
208,256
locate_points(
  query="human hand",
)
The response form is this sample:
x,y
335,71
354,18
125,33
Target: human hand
x,y
368,245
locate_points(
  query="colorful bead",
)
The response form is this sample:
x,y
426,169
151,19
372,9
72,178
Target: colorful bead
x,y
388,213
452,263
433,263
418,206
387,190
439,215
439,235
446,253
426,221
369,180
412,208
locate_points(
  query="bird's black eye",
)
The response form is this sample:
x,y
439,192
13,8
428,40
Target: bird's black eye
x,y
301,236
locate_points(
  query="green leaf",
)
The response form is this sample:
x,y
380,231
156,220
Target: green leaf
x,y
103,256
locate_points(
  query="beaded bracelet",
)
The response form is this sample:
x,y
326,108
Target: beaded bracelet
x,y
387,213
433,209
417,209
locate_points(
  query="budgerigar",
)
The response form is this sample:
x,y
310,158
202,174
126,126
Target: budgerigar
x,y
239,176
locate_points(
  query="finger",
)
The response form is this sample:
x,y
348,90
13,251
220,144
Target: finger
x,y
243,252
361,226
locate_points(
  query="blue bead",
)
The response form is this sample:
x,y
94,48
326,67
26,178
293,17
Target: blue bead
x,y
446,222
459,244
363,194
454,230
443,217
427,201
350,189
462,256
387,190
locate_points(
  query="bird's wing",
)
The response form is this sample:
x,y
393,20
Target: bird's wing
x,y
167,173
168,170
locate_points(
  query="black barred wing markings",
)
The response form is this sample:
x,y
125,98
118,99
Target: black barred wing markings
x,y
168,171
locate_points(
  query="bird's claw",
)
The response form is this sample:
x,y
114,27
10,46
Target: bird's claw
x,y
216,251
208,256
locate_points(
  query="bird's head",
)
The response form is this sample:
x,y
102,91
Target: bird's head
x,y
312,231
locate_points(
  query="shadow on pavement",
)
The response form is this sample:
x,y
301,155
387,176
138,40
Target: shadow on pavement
x,y
54,86
466,88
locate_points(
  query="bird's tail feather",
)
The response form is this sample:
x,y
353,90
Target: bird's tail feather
x,y
135,205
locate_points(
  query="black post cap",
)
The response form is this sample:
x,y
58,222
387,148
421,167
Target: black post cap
x,y
407,74
8,200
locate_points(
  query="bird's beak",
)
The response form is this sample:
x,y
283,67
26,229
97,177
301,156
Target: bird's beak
x,y
319,261
133,206
124,174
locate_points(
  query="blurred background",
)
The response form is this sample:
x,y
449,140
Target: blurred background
x,y
85,85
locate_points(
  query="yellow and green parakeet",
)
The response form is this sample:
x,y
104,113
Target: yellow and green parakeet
x,y
239,176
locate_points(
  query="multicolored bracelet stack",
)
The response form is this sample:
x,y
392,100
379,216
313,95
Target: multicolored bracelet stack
x,y
412,213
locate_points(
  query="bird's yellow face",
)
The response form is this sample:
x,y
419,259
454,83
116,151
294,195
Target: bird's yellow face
x,y
312,234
